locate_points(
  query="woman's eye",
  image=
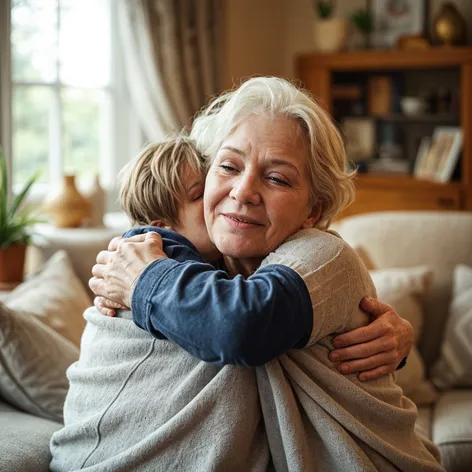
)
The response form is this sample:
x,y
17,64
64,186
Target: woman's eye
x,y
227,168
278,181
199,197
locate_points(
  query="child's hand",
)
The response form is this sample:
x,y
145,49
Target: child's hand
x,y
106,306
376,349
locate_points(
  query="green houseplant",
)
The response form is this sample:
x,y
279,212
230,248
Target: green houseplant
x,y
329,34
16,223
363,21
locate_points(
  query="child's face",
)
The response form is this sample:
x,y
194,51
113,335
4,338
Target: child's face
x,y
191,220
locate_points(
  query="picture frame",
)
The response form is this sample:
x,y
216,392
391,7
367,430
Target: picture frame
x,y
420,169
359,137
392,19
437,156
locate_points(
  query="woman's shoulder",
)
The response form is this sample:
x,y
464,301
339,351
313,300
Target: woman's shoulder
x,y
310,250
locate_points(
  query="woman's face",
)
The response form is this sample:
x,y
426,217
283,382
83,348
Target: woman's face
x,y
257,191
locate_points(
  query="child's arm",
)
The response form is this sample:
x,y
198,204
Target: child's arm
x,y
217,319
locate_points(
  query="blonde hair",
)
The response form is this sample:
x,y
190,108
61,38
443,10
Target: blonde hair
x,y
152,182
331,182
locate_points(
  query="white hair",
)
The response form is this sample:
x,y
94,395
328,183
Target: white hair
x,y
331,181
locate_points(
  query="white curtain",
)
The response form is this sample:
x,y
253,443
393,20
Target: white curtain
x,y
170,54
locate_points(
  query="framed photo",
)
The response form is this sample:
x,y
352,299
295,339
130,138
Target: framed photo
x,y
437,157
359,135
420,170
395,18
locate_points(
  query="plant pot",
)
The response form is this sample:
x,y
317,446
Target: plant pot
x,y
12,265
67,207
330,35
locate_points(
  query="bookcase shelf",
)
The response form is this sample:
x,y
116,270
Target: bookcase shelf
x,y
437,118
377,192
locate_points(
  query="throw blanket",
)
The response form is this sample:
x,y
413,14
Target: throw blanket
x,y
317,419
142,404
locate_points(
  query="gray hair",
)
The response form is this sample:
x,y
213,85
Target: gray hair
x,y
331,182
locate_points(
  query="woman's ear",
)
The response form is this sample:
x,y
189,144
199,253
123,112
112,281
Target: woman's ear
x,y
160,224
313,217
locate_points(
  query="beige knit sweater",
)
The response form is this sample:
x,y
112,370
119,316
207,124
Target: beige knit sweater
x,y
317,419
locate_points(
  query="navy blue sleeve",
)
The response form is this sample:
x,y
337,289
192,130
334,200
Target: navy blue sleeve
x,y
174,244
221,320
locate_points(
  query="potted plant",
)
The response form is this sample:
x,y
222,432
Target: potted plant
x,y
16,222
330,34
362,20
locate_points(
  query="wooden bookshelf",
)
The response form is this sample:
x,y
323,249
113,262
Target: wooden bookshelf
x,y
391,191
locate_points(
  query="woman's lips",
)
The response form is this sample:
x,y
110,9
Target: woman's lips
x,y
241,222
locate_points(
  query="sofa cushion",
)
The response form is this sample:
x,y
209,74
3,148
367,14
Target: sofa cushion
x,y
33,363
408,239
452,429
405,290
56,296
454,367
24,441
424,421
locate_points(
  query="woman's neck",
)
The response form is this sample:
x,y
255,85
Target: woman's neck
x,y
246,267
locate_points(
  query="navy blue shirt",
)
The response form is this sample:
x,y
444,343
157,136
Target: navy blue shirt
x,y
215,318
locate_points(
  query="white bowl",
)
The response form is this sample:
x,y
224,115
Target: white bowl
x,y
412,105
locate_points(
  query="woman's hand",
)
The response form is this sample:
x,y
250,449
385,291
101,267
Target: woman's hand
x,y
376,349
118,269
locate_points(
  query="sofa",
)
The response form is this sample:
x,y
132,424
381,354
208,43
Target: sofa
x,y
391,241
442,242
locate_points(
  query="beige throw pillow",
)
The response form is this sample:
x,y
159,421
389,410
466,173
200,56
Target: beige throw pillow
x,y
454,367
404,290
56,296
33,363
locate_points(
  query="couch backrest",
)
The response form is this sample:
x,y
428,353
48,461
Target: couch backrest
x,y
440,240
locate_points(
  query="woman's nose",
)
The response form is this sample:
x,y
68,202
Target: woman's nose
x,y
246,190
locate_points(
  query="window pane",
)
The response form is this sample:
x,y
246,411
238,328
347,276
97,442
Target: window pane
x,y
31,117
85,42
82,131
33,36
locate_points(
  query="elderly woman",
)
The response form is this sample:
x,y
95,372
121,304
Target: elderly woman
x,y
277,167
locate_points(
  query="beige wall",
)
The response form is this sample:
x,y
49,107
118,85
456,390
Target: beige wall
x,y
264,36
254,39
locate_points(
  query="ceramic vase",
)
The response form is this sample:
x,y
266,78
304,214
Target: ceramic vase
x,y
96,198
12,264
67,207
330,35
449,26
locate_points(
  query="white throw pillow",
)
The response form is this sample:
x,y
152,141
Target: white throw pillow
x,y
33,363
56,296
454,367
404,289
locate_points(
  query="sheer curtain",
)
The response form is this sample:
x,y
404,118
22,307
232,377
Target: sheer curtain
x,y
170,54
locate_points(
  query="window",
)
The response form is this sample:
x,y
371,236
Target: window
x,y
68,100
61,56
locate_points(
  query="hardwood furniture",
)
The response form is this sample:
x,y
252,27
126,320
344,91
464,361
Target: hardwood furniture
x,y
392,192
